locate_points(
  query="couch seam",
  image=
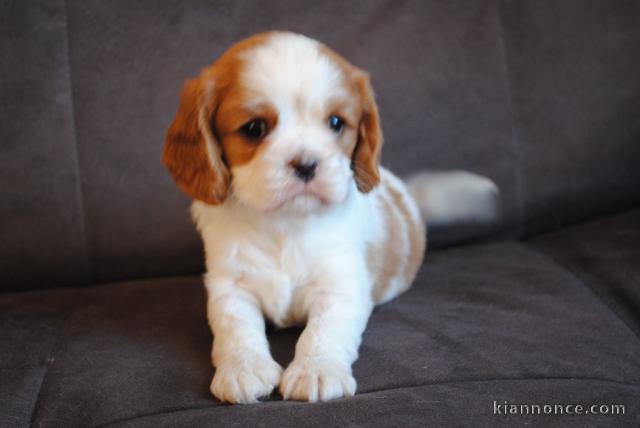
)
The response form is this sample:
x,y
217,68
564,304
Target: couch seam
x,y
375,391
550,378
574,274
83,228
79,187
52,352
515,135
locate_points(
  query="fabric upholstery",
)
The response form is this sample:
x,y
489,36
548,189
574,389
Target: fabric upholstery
x,y
482,323
541,96
42,242
506,89
30,324
462,404
605,255
573,68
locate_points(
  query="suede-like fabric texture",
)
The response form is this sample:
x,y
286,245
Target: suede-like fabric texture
x,y
42,242
29,327
605,255
543,100
458,404
482,323
573,70
541,96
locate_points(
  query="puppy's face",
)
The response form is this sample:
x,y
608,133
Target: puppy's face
x,y
280,122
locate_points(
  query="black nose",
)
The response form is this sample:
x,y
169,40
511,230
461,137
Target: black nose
x,y
304,170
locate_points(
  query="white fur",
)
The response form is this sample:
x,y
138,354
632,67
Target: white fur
x,y
454,197
292,252
290,73
295,270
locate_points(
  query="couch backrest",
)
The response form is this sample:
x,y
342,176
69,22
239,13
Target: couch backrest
x,y
541,96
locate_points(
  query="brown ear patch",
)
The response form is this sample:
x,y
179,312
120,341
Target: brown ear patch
x,y
191,153
366,155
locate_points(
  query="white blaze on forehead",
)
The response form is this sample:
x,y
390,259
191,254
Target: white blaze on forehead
x,y
290,70
293,75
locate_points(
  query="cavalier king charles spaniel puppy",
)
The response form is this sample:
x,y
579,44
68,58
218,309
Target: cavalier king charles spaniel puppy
x,y
279,142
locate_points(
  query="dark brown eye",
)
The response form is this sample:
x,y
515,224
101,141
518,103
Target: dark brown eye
x,y
254,129
336,123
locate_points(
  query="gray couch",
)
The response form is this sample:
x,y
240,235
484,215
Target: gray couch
x,y
102,315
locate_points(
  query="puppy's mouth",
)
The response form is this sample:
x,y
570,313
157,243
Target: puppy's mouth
x,y
302,198
311,191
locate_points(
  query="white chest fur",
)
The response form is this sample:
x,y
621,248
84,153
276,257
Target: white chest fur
x,y
282,261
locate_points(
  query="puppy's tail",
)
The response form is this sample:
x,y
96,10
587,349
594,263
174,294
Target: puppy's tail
x,y
454,197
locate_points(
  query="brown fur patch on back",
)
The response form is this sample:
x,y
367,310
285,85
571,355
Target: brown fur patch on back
x,y
387,257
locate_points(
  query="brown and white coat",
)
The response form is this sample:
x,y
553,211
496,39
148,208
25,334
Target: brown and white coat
x,y
279,143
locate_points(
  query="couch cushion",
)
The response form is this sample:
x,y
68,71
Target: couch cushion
x,y
42,240
482,323
457,404
573,68
605,255
499,88
29,327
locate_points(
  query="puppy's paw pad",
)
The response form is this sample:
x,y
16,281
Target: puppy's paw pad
x,y
317,380
245,379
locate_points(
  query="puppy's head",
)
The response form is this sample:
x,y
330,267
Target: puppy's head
x,y
280,122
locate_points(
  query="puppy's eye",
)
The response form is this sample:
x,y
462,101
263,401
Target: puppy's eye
x,y
255,129
336,123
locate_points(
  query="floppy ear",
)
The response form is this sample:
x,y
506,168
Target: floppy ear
x,y
191,153
366,155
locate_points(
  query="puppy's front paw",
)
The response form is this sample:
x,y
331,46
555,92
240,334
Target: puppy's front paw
x,y
317,379
245,379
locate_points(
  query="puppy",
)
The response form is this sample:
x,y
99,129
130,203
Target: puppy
x,y
278,142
